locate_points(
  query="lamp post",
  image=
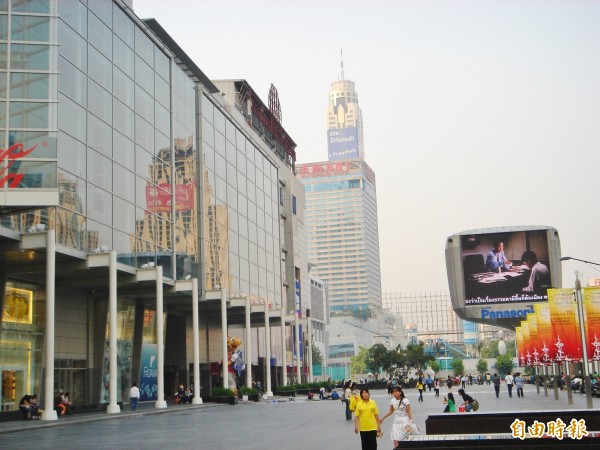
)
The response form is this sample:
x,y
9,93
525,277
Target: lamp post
x,y
581,318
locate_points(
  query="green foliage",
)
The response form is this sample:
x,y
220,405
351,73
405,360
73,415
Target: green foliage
x,y
246,390
435,366
317,356
358,363
458,366
482,366
222,392
504,364
378,357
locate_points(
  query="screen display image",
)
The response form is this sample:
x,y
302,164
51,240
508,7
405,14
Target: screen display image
x,y
505,267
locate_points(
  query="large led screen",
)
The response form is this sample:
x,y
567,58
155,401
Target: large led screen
x,y
342,143
505,267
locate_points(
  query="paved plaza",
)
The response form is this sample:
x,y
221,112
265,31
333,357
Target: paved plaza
x,y
276,424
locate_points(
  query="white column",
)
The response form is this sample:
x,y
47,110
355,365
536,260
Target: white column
x,y
283,348
49,412
224,337
248,345
113,406
268,351
309,348
298,337
197,400
160,341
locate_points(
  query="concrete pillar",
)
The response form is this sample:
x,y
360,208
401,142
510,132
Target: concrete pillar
x,y
283,348
298,337
113,406
248,345
309,348
197,400
224,337
161,403
268,351
49,412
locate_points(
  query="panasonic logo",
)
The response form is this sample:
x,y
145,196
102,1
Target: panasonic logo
x,y
491,314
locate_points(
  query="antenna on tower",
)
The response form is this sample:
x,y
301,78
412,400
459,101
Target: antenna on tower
x,y
342,64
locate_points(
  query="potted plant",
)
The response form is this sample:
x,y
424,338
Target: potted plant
x,y
249,394
222,395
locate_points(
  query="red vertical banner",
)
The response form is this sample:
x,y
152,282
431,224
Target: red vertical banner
x,y
520,350
591,301
565,329
544,332
526,348
534,344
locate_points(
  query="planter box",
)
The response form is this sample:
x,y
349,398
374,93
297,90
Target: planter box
x,y
226,399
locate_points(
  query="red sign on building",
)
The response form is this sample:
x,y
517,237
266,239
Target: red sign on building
x,y
159,200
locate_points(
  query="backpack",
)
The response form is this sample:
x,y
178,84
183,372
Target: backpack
x,y
475,405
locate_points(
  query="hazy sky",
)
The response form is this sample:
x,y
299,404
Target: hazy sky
x,y
477,113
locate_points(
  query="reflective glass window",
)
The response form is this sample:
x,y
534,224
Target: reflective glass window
x,y
74,13
37,174
207,109
29,85
220,189
30,28
100,102
99,169
232,198
72,46
124,27
123,183
72,82
99,135
29,57
3,56
123,151
230,153
102,9
162,143
220,165
100,69
44,142
4,28
99,235
219,121
231,175
162,91
144,133
100,36
71,118
209,159
161,64
122,243
162,119
220,143
123,118
230,131
208,133
241,161
28,115
123,57
144,75
144,104
123,215
143,162
123,87
72,156
31,6
144,47
71,191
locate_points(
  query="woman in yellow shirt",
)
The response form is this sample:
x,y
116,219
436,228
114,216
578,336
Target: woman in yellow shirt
x,y
366,419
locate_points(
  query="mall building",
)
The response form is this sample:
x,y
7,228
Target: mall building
x,y
146,215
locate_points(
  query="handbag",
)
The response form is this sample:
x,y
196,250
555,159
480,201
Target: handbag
x,y
475,405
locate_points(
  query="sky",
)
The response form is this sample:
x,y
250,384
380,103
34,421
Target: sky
x,y
477,113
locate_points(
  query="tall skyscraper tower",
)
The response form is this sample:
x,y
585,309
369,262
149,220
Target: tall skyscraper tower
x,y
341,209
344,121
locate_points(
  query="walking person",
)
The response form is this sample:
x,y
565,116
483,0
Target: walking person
x,y
366,420
400,407
509,379
134,396
347,395
436,387
449,383
420,387
496,381
519,382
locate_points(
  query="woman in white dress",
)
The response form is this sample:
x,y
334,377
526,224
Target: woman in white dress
x,y
400,407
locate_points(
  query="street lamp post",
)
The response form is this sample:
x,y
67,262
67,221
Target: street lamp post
x,y
581,318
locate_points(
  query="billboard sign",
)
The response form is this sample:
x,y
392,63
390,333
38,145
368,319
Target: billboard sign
x,y
342,143
498,275
159,200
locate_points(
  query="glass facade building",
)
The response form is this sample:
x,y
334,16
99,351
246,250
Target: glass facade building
x,y
147,162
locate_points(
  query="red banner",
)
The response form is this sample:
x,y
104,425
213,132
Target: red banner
x,y
544,332
565,329
534,343
159,200
591,302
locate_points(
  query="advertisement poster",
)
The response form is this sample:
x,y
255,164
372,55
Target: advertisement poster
x,y
149,372
591,301
342,143
520,351
526,351
534,345
563,315
544,332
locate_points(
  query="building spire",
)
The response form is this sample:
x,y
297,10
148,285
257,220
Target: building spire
x,y
341,64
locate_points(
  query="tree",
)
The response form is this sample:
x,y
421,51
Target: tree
x,y
504,364
358,363
414,357
482,366
435,366
317,356
458,366
378,357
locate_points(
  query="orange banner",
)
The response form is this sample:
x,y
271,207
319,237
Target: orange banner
x,y
544,332
520,350
591,301
526,351
534,344
565,329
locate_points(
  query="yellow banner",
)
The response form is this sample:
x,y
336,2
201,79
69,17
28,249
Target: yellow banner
x,y
591,301
534,344
544,331
526,351
520,350
565,329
